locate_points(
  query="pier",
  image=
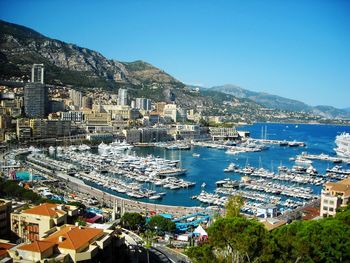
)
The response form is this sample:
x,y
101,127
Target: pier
x,y
279,142
324,157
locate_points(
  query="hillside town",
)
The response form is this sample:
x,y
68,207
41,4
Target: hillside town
x,y
73,191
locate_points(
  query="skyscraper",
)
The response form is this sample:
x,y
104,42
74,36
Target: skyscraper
x,y
35,100
38,73
36,94
123,97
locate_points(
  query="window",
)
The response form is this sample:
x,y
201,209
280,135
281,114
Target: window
x,y
325,201
325,208
331,209
331,202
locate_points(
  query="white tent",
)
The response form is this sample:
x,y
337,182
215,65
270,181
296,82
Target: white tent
x,y
200,231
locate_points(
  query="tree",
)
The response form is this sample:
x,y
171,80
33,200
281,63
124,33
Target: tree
x,y
240,239
161,224
132,221
326,240
233,206
202,253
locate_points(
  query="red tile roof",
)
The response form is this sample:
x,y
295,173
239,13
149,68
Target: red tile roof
x,y
4,247
37,246
45,209
73,236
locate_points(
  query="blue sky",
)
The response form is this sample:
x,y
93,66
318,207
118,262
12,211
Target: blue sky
x,y
297,49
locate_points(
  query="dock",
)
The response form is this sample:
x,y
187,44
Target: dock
x,y
324,157
279,142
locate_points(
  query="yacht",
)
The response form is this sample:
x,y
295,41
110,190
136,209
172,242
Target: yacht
x,y
231,168
343,145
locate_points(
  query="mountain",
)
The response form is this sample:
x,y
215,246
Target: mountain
x,y
281,103
83,68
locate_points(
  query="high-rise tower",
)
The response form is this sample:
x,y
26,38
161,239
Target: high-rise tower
x,y
123,97
36,94
38,73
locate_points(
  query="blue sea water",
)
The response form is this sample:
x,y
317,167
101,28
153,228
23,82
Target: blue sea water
x,y
208,168
25,176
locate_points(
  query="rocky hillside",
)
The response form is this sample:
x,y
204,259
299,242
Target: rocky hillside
x,y
278,102
82,68
68,64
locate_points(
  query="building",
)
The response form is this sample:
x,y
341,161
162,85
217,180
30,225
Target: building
x,y
38,73
153,135
333,196
143,104
33,223
123,97
119,112
76,116
187,132
160,107
23,130
223,133
35,100
86,102
5,121
76,97
5,218
56,105
267,210
132,135
4,247
100,136
170,111
43,128
68,243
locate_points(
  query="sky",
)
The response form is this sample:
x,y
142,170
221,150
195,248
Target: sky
x,y
296,49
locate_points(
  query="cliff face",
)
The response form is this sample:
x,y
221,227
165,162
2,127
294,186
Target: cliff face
x,y
20,47
69,64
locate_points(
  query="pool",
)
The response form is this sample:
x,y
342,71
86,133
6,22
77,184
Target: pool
x,y
25,176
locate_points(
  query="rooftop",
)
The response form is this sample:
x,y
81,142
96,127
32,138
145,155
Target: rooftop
x,y
73,237
341,186
46,209
37,246
4,247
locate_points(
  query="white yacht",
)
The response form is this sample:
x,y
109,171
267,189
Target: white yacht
x,y
343,145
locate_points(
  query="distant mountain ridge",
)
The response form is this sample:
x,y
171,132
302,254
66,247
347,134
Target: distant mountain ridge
x,y
82,68
281,103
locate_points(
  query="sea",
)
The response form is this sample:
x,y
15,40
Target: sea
x,y
209,166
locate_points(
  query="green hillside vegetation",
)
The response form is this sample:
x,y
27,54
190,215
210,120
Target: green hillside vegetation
x,y
234,238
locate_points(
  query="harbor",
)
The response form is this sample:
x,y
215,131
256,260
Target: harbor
x,y
198,174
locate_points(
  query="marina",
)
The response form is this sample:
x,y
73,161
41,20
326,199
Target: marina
x,y
204,174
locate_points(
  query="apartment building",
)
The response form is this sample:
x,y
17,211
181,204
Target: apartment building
x,y
333,196
68,243
31,224
5,216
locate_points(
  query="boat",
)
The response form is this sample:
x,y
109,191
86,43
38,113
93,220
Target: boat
x,y
301,160
155,197
231,168
293,144
343,145
284,143
196,155
52,149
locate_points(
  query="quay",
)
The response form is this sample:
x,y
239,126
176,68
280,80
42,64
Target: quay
x,y
324,157
279,142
